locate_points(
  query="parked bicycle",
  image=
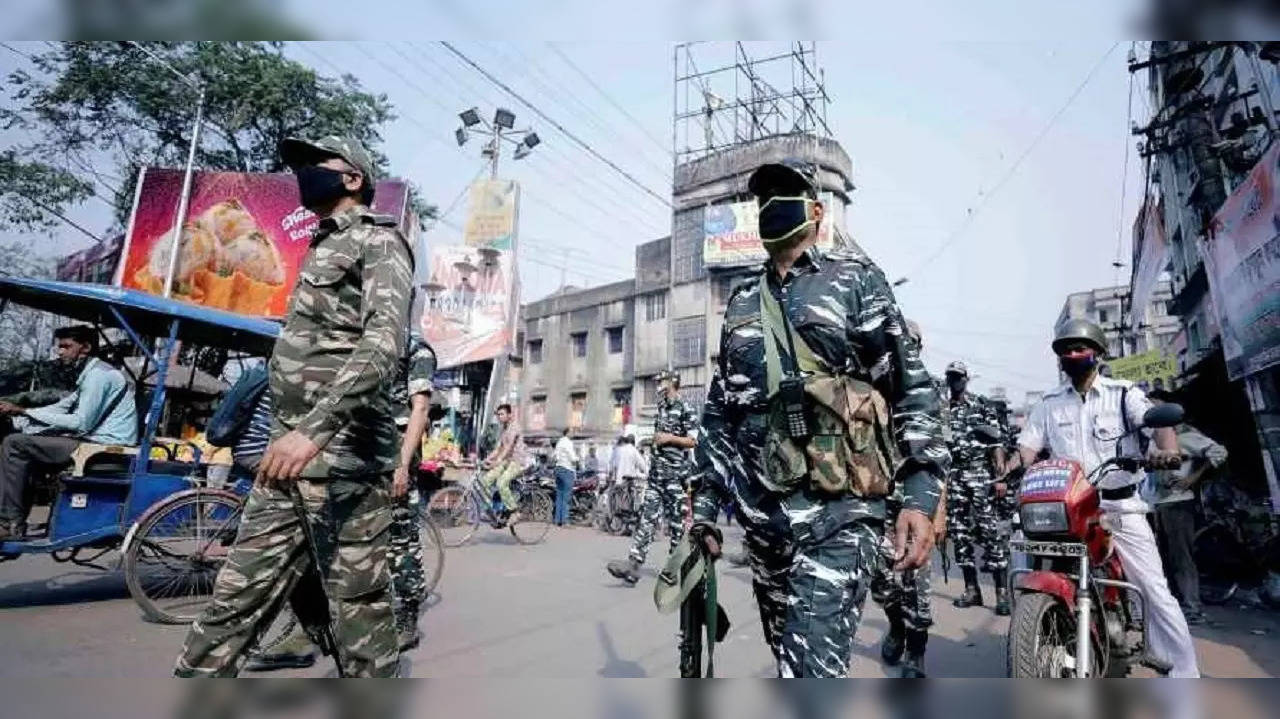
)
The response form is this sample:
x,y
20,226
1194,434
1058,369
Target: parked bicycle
x,y
1236,549
458,511
621,506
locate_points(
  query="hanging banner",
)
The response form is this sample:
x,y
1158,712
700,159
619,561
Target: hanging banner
x,y
491,219
732,234
245,237
1152,256
467,317
1149,370
1242,259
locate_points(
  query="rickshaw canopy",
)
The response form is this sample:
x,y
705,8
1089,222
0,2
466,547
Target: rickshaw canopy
x,y
145,314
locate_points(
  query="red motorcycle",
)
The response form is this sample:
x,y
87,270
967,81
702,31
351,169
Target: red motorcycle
x,y
1076,579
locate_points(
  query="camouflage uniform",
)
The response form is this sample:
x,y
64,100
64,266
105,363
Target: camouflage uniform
x,y
331,376
416,370
813,554
970,512
664,493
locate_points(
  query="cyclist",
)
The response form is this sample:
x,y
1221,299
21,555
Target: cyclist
x,y
505,464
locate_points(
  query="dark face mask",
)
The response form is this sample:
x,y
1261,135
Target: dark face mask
x,y
782,218
319,186
1078,364
957,384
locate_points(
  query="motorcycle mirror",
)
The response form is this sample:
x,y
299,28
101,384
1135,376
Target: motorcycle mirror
x,y
1166,414
986,433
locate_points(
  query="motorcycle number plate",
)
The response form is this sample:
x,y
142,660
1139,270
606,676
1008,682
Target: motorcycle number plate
x,y
1052,549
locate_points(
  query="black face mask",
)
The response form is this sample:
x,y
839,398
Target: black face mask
x,y
319,186
781,218
1077,366
957,384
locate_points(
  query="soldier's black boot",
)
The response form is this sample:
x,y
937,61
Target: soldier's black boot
x,y
407,626
628,570
913,664
1001,579
972,595
894,642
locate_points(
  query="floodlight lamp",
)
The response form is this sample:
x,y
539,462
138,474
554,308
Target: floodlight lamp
x,y
470,118
461,135
521,152
504,118
532,140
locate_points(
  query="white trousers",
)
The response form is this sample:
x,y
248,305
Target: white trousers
x,y
1170,639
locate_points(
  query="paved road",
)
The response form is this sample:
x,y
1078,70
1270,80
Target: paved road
x,y
547,611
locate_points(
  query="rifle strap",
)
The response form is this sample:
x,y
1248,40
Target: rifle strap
x,y
712,615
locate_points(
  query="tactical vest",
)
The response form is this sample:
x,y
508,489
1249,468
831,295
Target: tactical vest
x,y
850,448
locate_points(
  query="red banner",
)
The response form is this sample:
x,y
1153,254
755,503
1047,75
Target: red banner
x,y
243,241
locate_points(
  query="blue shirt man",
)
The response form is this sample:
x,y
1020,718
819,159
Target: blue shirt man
x,y
100,410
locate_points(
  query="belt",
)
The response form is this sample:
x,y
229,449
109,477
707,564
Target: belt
x,y
1117,494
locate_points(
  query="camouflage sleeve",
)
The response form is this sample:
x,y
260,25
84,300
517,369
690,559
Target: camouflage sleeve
x,y
715,456
899,374
386,281
689,423
422,367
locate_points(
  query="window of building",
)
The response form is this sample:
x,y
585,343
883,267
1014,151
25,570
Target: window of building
x,y
614,335
577,409
579,342
537,417
687,240
722,286
535,351
689,341
649,391
1102,317
621,407
655,306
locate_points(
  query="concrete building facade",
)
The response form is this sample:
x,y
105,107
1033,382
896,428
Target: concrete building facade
x,y
1108,307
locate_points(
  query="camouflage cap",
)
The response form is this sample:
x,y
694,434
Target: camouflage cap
x,y
296,151
958,367
788,177
667,374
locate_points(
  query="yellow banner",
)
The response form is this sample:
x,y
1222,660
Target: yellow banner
x,y
491,220
1146,367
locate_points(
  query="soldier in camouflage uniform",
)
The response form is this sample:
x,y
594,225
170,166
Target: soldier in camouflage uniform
x,y
906,597
971,516
813,553
412,396
664,494
318,516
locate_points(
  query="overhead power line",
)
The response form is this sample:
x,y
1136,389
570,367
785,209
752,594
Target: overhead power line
x,y
609,99
590,150
1013,169
1124,182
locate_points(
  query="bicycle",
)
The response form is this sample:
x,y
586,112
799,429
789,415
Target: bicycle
x,y
1235,549
458,511
621,506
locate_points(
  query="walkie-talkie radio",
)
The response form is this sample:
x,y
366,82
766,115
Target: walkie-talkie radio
x,y
791,394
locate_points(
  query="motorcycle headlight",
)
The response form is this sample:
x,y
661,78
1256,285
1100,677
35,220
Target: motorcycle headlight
x,y
1044,517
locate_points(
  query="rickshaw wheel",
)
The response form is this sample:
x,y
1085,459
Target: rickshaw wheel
x,y
174,558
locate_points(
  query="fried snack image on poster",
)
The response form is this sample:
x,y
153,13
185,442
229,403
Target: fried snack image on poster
x,y
225,261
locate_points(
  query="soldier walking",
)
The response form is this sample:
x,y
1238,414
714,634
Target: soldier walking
x,y
664,494
971,512
809,469
907,596
318,515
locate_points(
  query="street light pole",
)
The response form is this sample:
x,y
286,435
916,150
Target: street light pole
x,y
184,198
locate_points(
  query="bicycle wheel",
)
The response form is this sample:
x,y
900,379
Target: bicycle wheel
x,y
432,549
536,508
174,558
455,515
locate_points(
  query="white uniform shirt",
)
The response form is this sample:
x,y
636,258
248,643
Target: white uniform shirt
x,y
566,455
1086,429
631,463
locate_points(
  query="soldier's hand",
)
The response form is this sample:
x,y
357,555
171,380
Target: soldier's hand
x,y
913,541
1001,488
400,482
286,457
8,408
709,536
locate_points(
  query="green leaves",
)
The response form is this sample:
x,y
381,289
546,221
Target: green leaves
x,y
115,109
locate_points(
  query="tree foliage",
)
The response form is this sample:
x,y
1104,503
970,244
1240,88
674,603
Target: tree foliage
x,y
109,109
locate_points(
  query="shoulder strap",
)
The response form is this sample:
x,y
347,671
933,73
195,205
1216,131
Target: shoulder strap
x,y
775,322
